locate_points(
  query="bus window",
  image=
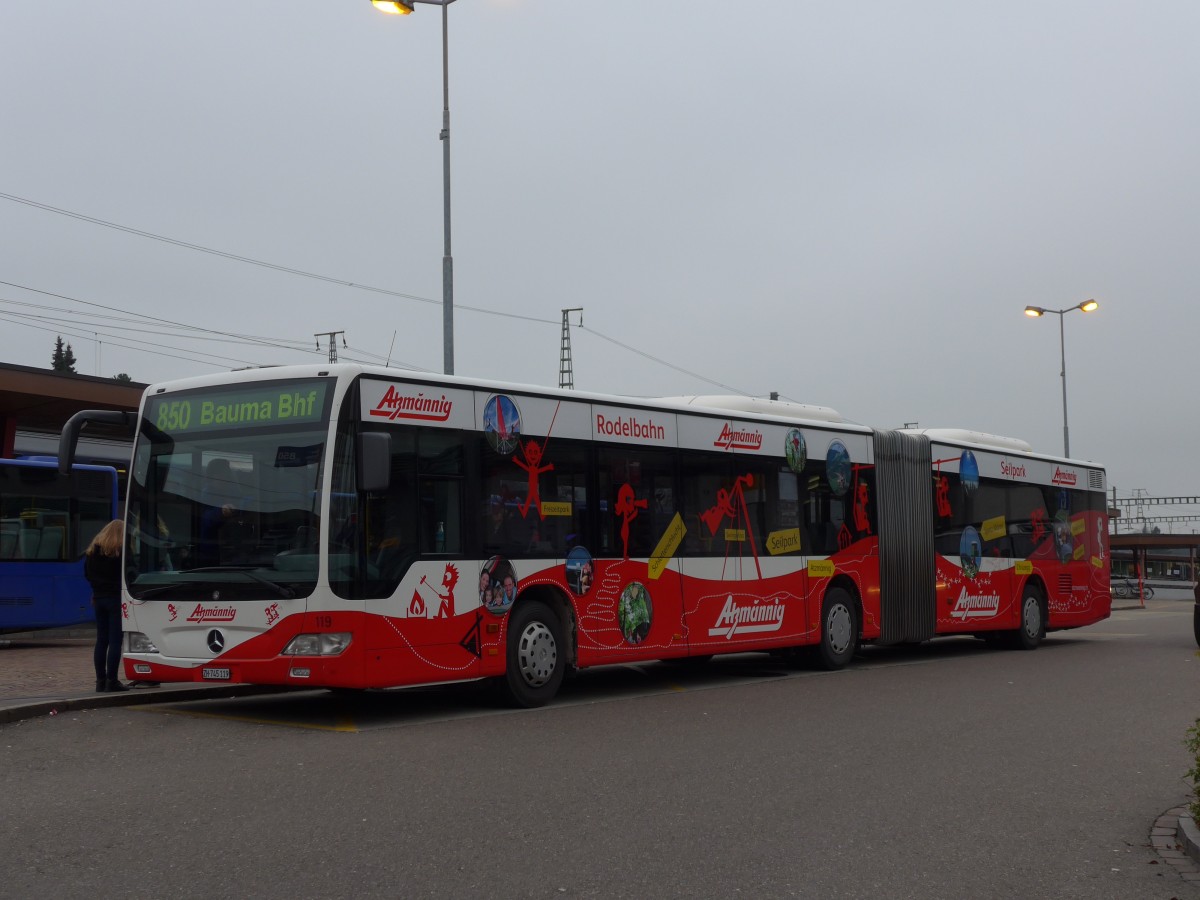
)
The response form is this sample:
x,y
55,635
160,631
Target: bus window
x,y
640,488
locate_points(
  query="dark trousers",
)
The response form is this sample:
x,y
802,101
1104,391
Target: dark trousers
x,y
107,656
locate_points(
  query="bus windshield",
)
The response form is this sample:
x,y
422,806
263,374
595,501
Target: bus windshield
x,y
225,492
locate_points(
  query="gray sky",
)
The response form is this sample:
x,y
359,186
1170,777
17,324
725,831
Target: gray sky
x,y
847,203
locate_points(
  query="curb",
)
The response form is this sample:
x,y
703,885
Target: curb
x,y
1189,836
138,697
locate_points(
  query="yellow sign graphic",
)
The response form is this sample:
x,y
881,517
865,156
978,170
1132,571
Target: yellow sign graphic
x,y
821,568
1023,567
667,545
787,541
992,529
1077,527
1080,552
735,535
556,508
1097,562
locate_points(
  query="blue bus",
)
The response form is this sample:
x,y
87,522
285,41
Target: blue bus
x,y
47,521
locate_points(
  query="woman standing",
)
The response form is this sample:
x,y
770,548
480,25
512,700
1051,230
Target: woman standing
x,y
102,568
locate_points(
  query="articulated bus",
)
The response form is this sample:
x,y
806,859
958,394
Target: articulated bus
x,y
352,527
47,521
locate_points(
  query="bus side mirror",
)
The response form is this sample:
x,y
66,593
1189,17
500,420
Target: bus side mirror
x,y
374,462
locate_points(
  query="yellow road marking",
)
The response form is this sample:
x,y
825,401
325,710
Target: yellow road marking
x,y
345,725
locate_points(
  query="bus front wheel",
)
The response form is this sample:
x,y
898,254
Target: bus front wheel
x,y
1032,629
535,660
839,630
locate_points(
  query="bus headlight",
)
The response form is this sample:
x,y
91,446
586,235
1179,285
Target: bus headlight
x,y
139,643
330,644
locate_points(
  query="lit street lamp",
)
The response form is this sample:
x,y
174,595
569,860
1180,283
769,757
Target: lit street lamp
x,y
403,8
1037,312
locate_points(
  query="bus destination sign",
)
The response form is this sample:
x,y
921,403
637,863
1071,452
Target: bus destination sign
x,y
291,403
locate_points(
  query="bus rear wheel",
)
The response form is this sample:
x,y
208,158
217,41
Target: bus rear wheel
x,y
1032,629
535,661
839,630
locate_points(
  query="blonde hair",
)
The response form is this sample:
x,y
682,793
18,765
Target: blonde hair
x,y
108,542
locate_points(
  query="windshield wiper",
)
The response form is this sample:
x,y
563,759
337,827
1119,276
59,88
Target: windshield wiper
x,y
155,591
281,589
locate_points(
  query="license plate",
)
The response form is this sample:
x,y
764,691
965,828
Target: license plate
x,y
215,674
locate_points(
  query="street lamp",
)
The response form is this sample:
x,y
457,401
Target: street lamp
x,y
403,8
1037,312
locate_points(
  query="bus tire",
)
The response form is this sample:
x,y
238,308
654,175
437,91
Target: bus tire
x,y
1032,629
535,660
839,630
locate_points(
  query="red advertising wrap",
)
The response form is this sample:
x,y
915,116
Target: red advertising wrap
x,y
375,532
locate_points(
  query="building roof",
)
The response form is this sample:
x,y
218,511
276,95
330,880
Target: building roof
x,y
42,400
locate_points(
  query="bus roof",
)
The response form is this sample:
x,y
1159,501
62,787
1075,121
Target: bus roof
x,y
759,406
976,438
716,405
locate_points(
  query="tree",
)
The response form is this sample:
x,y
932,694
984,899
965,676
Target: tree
x,y
123,378
62,360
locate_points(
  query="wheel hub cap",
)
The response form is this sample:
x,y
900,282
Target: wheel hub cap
x,y
537,654
839,629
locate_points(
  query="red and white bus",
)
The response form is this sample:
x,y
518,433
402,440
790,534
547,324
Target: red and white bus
x,y
354,527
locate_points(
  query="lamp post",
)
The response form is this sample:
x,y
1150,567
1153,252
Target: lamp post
x,y
1037,312
403,8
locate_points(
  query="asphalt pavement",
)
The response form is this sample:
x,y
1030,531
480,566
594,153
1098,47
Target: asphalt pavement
x,y
44,673
49,672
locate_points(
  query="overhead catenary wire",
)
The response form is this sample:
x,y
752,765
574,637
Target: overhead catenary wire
x,y
71,318
178,331
71,327
249,260
235,257
110,341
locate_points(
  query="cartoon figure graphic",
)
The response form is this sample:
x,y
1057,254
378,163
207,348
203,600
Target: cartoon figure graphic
x,y
724,508
446,604
731,504
861,523
627,508
1038,520
942,492
533,456
449,580
844,538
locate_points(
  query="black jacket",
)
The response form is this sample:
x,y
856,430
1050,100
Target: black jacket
x,y
103,574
